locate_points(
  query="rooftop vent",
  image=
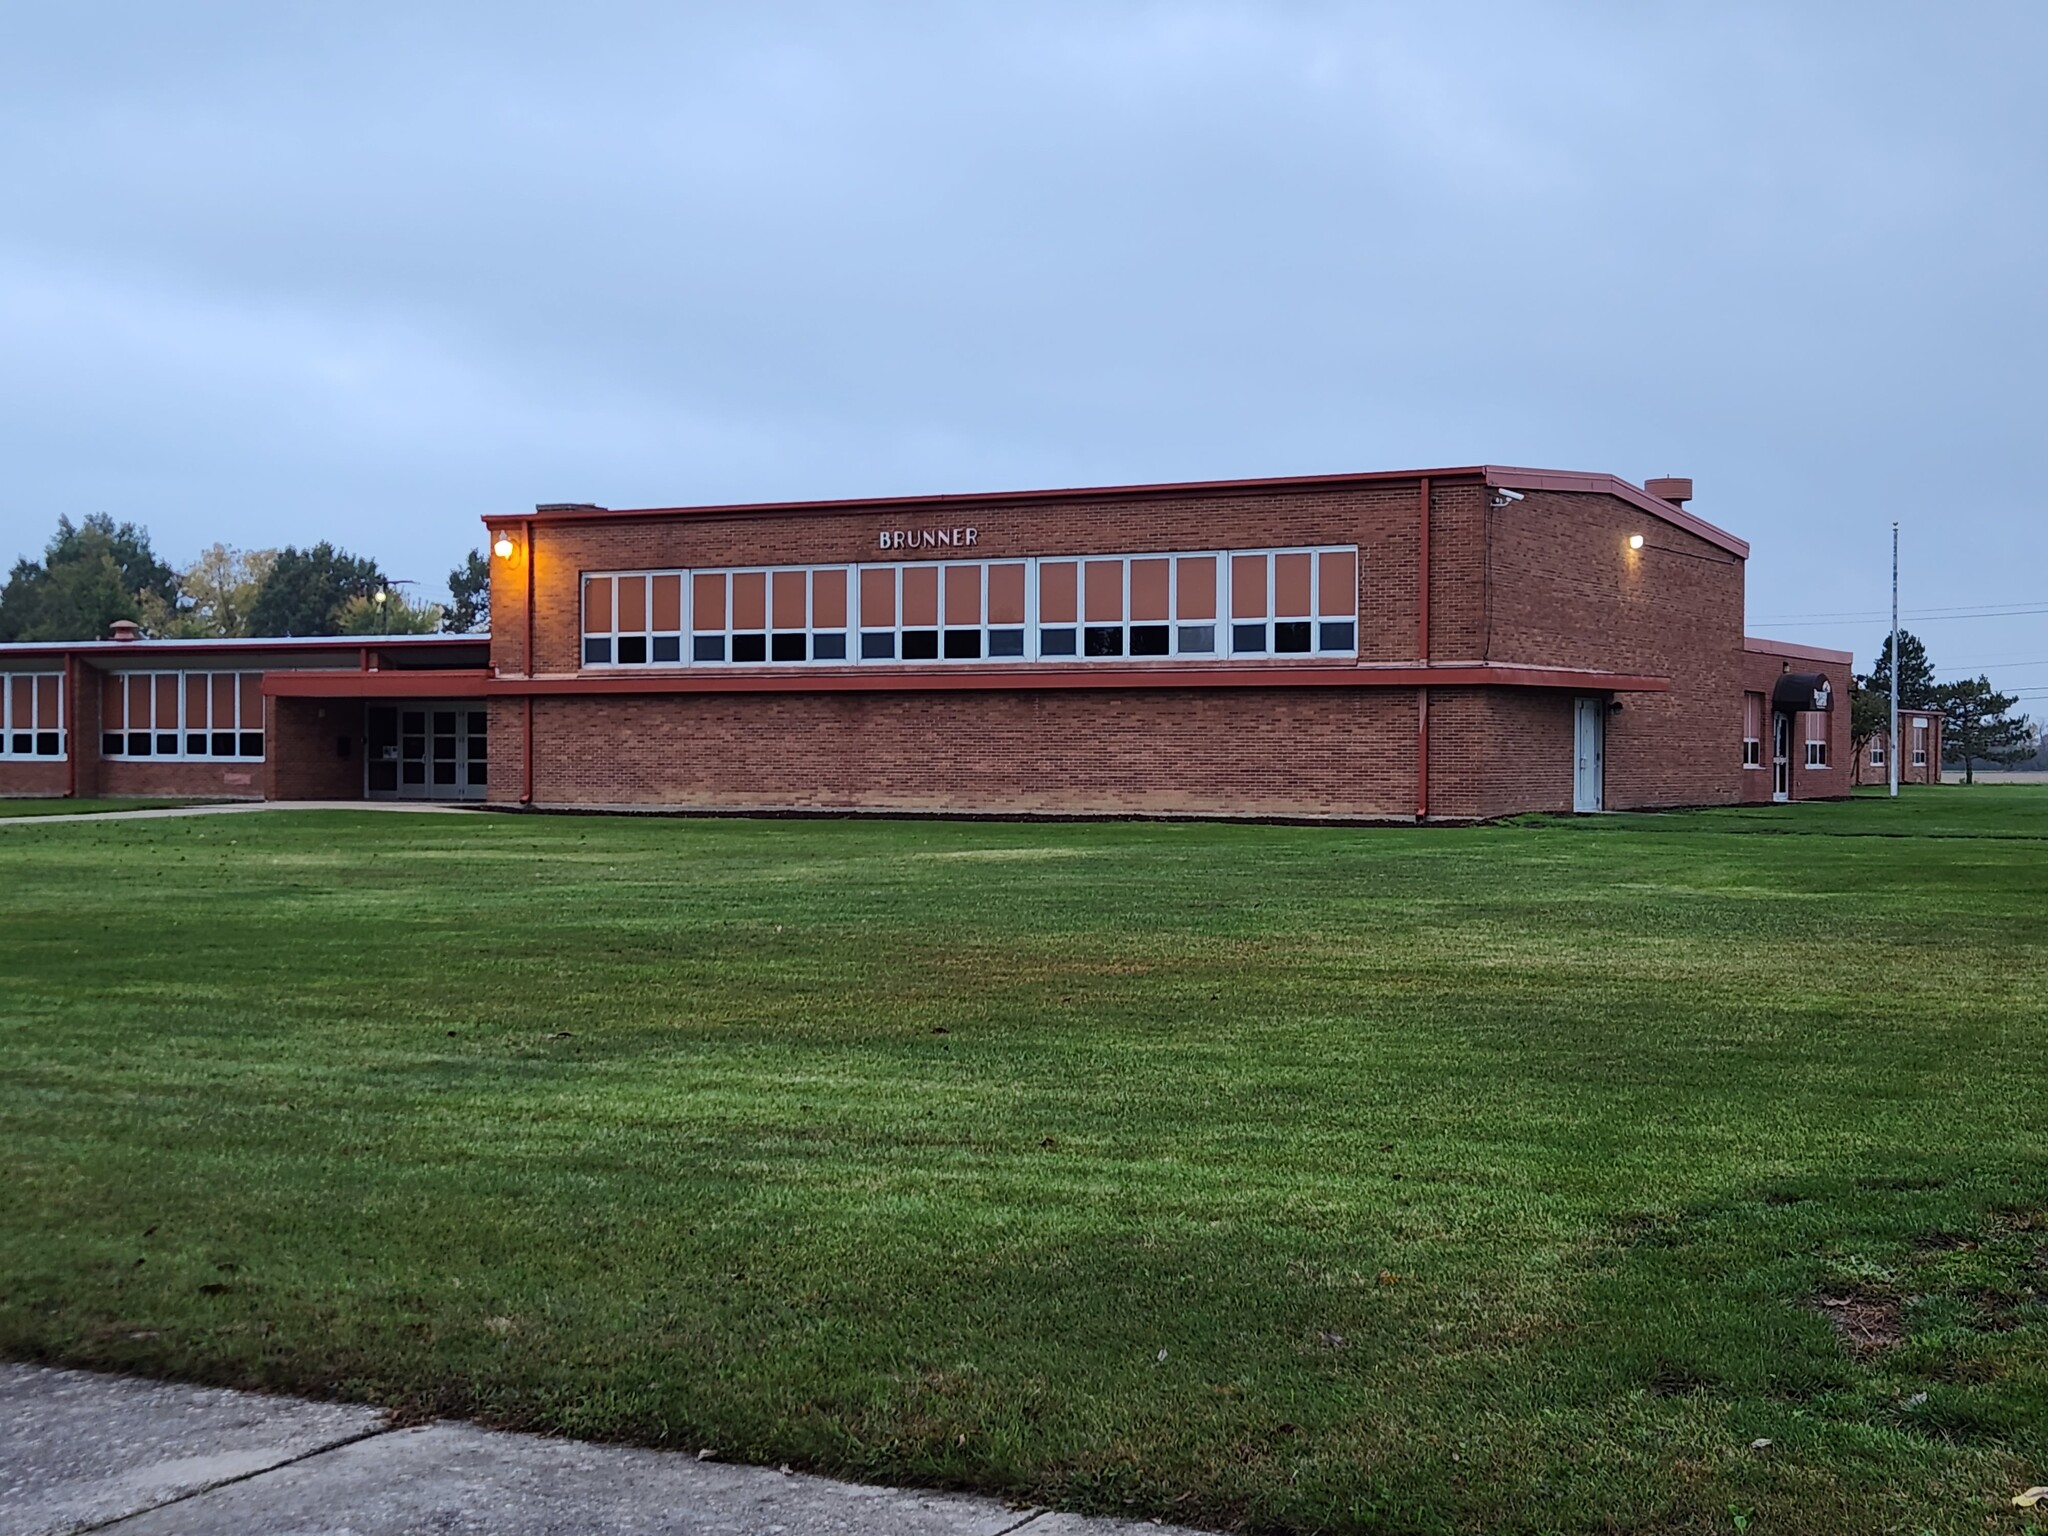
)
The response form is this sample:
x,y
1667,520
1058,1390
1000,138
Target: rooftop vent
x,y
125,629
567,506
1676,490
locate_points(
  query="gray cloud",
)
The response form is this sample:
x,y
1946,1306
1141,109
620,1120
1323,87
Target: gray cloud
x,y
275,273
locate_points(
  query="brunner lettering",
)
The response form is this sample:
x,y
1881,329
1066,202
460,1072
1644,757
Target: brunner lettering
x,y
930,538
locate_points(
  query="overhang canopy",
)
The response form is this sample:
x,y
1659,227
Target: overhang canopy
x,y
1807,691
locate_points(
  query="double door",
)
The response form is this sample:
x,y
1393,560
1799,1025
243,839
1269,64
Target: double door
x,y
436,750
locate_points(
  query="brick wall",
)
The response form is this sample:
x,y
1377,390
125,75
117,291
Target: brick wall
x,y
304,741
1760,673
42,778
1564,589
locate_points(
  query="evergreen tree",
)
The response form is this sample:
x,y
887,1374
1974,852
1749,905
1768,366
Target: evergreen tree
x,y
90,575
305,591
1917,688
1978,725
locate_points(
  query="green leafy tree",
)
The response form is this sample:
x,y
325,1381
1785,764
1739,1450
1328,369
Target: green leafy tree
x,y
90,575
216,593
1869,713
388,612
1978,725
1917,688
469,591
305,591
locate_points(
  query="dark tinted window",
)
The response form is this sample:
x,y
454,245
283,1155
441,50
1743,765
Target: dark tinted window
x,y
668,647
963,644
877,645
1103,640
749,647
828,647
632,650
1149,640
1247,637
1291,637
920,645
1197,639
1338,637
1006,642
252,743
1055,642
787,647
597,650
708,648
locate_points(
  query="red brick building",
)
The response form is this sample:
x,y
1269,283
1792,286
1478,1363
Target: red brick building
x,y
1445,644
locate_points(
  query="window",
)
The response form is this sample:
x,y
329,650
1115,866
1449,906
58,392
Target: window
x,y
1919,743
182,715
1752,730
1816,739
1213,604
1877,751
32,714
633,618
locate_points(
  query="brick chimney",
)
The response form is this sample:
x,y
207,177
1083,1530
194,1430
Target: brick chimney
x,y
1676,489
126,630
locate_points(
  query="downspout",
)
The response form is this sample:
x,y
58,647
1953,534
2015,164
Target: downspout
x,y
526,744
1422,654
67,710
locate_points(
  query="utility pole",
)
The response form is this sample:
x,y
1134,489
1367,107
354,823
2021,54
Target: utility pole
x,y
1891,744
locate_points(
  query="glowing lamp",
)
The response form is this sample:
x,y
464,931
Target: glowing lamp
x,y
1635,541
503,547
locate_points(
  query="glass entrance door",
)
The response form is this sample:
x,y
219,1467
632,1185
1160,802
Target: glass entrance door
x,y
432,750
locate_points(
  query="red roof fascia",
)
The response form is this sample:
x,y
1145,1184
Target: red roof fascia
x,y
391,683
1757,646
1490,474
875,679
238,645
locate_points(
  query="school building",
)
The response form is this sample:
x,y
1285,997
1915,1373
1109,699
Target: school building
x,y
1444,645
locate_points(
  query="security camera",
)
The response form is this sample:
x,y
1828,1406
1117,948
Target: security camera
x,y
1502,496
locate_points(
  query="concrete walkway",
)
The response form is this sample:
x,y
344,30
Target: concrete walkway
x,y
236,808
82,1452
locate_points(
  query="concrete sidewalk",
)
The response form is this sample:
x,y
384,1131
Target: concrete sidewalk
x,y
82,1452
234,808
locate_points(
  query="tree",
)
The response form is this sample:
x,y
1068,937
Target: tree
x,y
90,575
1917,688
394,615
305,590
469,587
1869,713
1978,726
217,591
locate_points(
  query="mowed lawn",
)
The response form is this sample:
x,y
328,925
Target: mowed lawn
x,y
1512,1179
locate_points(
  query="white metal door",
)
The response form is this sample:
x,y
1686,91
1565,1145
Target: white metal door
x,y
1781,756
1589,749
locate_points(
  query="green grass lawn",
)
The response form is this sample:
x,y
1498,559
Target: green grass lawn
x,y
81,806
1285,1178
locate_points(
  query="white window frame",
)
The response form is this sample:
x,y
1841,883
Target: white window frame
x,y
1876,752
1817,746
1222,650
34,729
184,730
1752,746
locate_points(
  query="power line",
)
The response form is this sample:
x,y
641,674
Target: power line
x,y
1918,618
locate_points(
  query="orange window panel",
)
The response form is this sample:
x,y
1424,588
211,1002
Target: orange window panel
x,y
139,712
790,590
878,597
1102,583
707,602
1337,584
668,604
828,599
1150,587
1247,586
167,701
1293,585
632,604
113,704
21,698
46,702
920,596
963,595
224,701
1006,594
1196,580
198,688
597,605
1056,592
749,599
250,686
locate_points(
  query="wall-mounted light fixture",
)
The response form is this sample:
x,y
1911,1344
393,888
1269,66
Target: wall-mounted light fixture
x,y
502,546
1635,541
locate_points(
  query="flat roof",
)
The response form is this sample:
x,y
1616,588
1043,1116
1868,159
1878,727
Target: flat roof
x,y
235,643
1756,645
1502,476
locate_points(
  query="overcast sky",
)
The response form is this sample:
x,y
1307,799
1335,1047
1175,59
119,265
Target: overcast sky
x,y
275,273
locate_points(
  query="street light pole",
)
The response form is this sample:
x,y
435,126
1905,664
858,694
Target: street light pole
x,y
1891,744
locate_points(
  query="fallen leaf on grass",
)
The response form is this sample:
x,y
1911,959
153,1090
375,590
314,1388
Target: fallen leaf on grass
x,y
1759,1445
2030,1498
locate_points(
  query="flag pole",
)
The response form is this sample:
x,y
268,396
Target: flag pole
x,y
1891,755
